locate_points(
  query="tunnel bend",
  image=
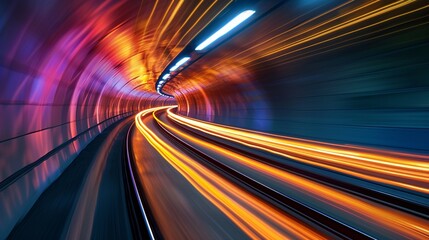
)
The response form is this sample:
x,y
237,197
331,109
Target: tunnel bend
x,y
343,72
312,76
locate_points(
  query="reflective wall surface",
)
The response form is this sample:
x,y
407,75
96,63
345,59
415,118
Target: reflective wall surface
x,y
66,75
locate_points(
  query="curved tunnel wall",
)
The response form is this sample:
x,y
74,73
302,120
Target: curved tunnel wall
x,y
69,69
290,76
63,82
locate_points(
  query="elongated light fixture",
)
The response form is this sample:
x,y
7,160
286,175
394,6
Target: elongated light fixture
x,y
166,76
179,63
225,29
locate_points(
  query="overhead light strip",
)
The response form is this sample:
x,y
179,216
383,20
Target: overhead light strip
x,y
218,34
179,63
166,76
225,29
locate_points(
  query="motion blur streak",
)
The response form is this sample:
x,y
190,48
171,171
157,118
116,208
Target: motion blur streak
x,y
328,27
310,119
254,217
83,216
409,171
387,218
353,21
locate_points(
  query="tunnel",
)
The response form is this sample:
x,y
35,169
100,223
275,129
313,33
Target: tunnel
x,y
223,119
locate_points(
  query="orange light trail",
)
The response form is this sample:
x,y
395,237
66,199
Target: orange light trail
x,y
197,22
409,171
344,34
385,217
167,24
154,40
181,27
256,218
336,23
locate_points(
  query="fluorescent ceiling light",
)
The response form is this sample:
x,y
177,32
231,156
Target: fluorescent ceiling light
x,y
166,76
179,63
225,29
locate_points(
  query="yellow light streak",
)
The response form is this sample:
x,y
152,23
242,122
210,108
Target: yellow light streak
x,y
198,20
256,218
156,39
338,27
409,171
404,224
180,29
321,29
284,33
148,21
161,28
332,38
166,25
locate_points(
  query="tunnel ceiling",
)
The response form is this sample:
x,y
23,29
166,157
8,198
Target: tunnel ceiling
x,y
138,39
